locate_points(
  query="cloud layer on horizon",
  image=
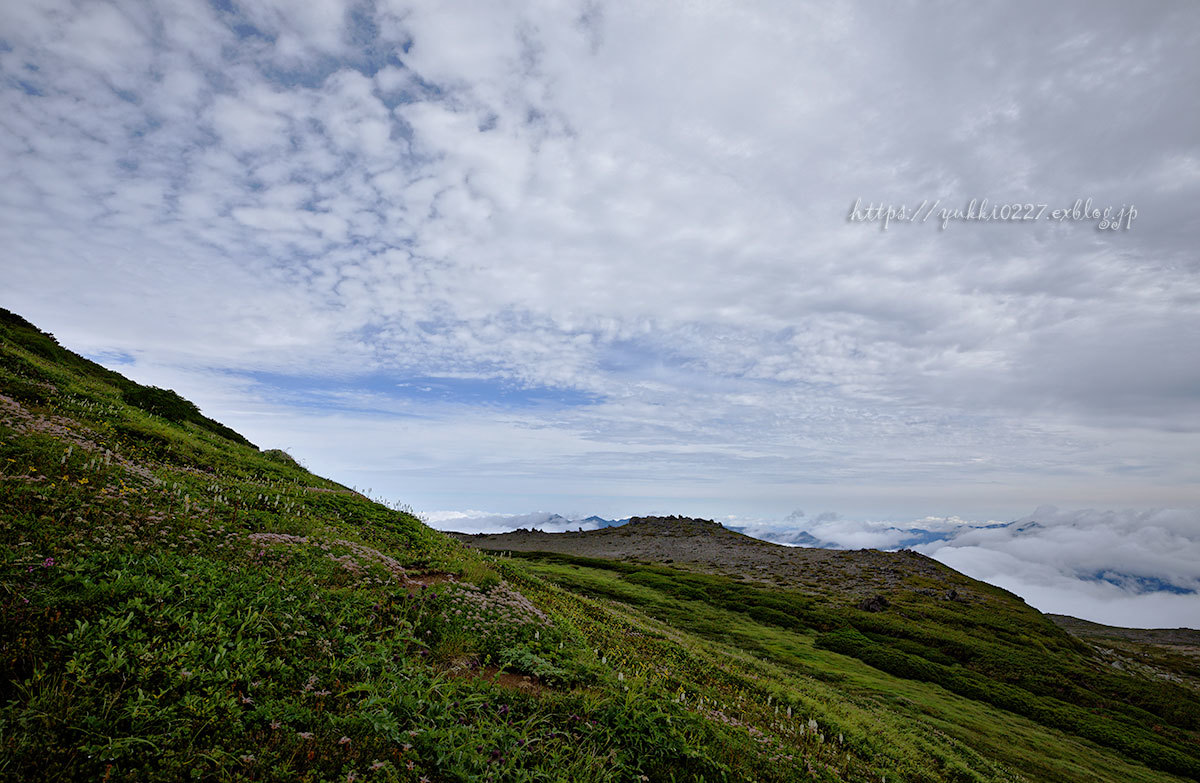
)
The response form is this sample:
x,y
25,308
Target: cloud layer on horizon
x,y
1128,568
473,521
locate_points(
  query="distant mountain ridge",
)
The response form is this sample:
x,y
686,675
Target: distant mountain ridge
x,y
601,522
913,537
710,546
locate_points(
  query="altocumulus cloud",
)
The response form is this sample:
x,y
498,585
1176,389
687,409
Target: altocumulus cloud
x,y
596,255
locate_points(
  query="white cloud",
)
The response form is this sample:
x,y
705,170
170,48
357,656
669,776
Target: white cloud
x,y
300,31
1130,568
1122,547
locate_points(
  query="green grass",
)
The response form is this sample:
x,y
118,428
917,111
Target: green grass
x,y
177,605
797,633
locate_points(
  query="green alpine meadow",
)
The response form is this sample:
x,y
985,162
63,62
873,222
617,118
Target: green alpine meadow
x,y
179,604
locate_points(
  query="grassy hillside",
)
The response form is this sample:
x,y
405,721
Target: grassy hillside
x,y
1171,654
178,605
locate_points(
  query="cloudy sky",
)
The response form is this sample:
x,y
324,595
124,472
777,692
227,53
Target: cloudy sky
x,y
591,257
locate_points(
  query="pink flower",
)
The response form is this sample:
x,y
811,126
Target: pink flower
x,y
344,741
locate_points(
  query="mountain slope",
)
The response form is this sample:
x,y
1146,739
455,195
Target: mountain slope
x,y
176,604
1171,654
902,613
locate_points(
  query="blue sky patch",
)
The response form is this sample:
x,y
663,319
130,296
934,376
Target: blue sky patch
x,y
108,358
474,392
1138,584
